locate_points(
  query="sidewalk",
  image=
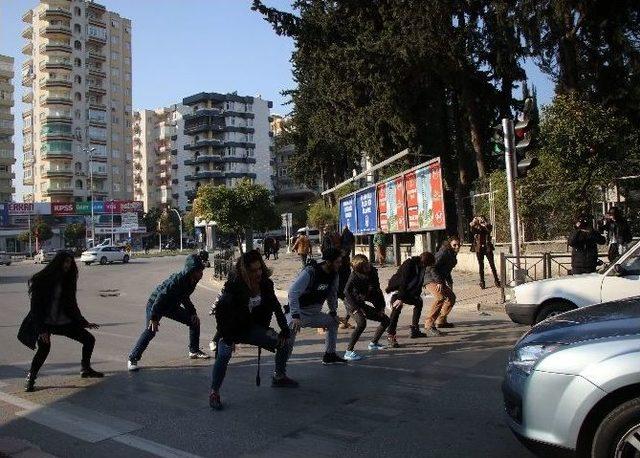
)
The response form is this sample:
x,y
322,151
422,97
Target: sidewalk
x,y
465,284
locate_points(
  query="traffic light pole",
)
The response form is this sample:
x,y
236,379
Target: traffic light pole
x,y
510,162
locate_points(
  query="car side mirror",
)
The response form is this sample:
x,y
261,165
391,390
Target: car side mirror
x,y
619,270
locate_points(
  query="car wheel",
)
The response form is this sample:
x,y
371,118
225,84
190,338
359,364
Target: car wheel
x,y
87,263
619,433
125,259
553,309
103,260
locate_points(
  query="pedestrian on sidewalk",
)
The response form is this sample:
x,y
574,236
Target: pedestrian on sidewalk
x,y
380,243
584,241
483,247
268,246
276,248
347,243
363,287
406,288
302,246
243,315
330,239
317,283
171,299
439,282
618,233
54,311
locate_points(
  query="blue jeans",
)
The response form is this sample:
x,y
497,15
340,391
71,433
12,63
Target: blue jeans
x,y
260,337
178,314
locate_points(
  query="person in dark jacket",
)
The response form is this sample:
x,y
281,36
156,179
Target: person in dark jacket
x,y
166,301
439,282
243,315
362,287
54,311
347,242
483,247
584,241
618,233
406,286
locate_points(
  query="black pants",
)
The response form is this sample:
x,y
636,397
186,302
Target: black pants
x,y
480,256
361,315
72,331
395,314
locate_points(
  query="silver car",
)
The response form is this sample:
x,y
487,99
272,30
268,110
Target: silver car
x,y
573,382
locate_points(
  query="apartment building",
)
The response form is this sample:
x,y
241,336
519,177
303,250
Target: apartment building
x,y
158,157
228,139
286,188
77,130
7,156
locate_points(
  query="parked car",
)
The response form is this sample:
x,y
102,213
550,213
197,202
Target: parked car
x,y
573,382
104,255
533,302
43,257
5,258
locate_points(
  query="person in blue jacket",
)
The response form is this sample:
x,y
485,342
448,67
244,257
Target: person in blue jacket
x,y
171,299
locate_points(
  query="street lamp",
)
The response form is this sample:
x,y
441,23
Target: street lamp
x,y
88,152
179,219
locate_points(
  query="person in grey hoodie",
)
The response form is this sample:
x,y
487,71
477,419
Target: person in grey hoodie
x,y
316,284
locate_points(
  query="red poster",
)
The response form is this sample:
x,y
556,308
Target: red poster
x,y
401,205
437,195
412,200
60,208
112,206
131,206
383,221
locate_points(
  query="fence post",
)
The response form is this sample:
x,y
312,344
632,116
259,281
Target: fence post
x,y
547,265
503,274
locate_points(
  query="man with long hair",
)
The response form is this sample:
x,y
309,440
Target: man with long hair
x,y
243,315
54,311
171,299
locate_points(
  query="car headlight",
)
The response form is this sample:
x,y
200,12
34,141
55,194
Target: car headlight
x,y
509,295
525,358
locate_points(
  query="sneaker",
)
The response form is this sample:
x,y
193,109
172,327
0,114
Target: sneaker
x,y
416,333
352,356
214,401
212,346
90,373
332,358
198,355
29,384
132,366
433,332
284,382
393,342
445,324
376,346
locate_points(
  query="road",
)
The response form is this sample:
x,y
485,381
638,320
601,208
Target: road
x,y
428,398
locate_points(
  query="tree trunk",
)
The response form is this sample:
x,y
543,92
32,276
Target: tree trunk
x,y
471,106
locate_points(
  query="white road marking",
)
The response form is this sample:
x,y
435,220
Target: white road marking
x,y
152,447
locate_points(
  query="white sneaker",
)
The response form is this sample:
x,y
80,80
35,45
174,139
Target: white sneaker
x,y
212,345
198,355
132,365
352,356
376,346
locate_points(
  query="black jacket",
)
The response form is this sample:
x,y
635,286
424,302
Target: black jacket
x,y
407,280
360,288
584,249
233,317
446,260
41,299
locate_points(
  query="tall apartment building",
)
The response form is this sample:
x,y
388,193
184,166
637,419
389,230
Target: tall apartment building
x,y
286,188
228,140
158,157
7,156
77,132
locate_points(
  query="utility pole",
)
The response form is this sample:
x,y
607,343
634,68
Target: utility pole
x,y
179,219
510,162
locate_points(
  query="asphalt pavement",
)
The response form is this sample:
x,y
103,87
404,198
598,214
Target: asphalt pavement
x,y
431,397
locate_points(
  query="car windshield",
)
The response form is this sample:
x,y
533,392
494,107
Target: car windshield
x,y
631,264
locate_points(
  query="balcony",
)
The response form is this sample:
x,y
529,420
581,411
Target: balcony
x,y
96,88
97,105
28,48
56,30
27,129
55,46
57,150
99,173
55,82
97,55
6,102
96,8
27,181
205,175
28,17
96,19
56,132
27,97
28,159
27,32
58,190
56,63
53,172
214,142
54,13
97,122
96,71
209,159
56,115
27,147
56,99
97,36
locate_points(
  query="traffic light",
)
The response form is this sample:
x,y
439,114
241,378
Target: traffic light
x,y
525,129
497,140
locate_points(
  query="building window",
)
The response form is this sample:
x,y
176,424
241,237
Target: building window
x,y
78,184
77,62
78,166
78,97
77,79
115,24
77,114
127,30
77,28
115,39
77,45
116,187
115,73
115,137
115,55
115,170
115,154
77,11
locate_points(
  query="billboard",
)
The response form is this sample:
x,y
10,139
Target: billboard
x,y
347,213
391,205
425,198
62,208
366,214
4,214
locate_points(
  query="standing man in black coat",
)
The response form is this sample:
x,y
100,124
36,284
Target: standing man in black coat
x,y
584,241
406,286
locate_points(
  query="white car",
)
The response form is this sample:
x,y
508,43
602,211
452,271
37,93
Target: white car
x,y
533,302
5,258
43,257
104,255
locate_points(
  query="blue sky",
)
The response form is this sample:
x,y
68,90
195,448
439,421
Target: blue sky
x,y
181,47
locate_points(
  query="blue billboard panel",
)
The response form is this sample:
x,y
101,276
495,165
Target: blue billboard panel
x,y
366,211
347,213
4,214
